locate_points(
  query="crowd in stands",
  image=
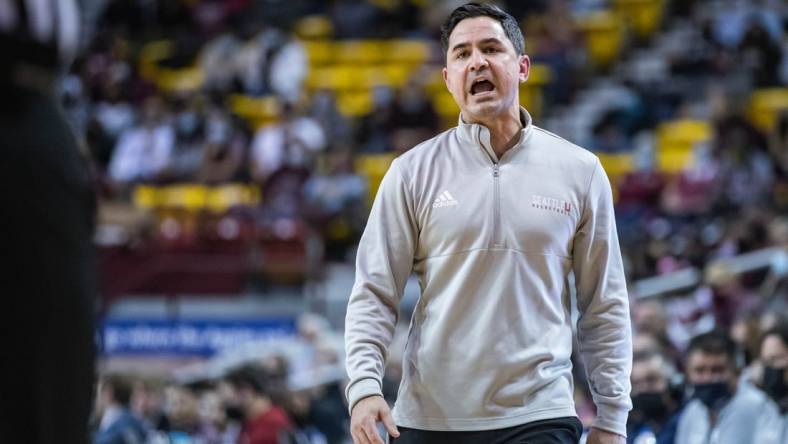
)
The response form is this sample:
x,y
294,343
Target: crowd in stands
x,y
681,114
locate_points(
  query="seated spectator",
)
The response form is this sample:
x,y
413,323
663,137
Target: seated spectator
x,y
289,143
652,417
216,425
225,149
720,409
335,202
117,424
143,152
264,421
772,426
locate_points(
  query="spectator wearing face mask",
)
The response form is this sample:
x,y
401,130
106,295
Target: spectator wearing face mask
x,y
720,410
772,425
653,416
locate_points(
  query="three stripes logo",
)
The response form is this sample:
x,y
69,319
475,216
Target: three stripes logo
x,y
444,200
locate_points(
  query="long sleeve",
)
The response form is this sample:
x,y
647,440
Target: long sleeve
x,y
383,264
603,329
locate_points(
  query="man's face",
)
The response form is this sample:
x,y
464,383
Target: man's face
x,y
648,377
704,368
774,353
483,71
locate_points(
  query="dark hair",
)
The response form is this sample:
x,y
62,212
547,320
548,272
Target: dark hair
x,y
252,377
780,330
714,343
121,388
470,10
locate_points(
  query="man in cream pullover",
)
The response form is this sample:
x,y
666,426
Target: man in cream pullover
x,y
492,216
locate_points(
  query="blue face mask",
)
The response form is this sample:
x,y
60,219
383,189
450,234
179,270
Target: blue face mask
x,y
712,394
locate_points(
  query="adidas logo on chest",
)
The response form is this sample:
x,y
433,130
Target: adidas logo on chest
x,y
444,200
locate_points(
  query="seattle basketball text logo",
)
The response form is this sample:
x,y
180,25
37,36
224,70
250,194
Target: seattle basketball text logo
x,y
551,204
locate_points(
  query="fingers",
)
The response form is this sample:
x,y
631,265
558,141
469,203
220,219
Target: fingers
x,y
365,432
371,432
388,421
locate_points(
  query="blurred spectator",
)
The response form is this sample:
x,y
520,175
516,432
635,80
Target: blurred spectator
x,y
721,409
148,404
189,148
225,149
117,424
292,142
216,427
652,418
373,130
182,411
412,119
270,62
337,128
144,151
335,203
264,421
772,427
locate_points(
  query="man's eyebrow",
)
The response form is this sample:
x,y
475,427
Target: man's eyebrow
x,y
463,45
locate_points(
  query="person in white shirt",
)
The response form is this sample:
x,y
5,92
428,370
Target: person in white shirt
x,y
721,409
145,151
493,216
772,427
292,142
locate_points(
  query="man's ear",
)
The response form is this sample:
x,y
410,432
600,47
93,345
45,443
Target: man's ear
x,y
446,77
524,63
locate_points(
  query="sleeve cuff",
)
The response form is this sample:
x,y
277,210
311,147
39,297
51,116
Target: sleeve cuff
x,y
361,389
611,419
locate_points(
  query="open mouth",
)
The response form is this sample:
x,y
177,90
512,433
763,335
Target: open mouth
x,y
481,86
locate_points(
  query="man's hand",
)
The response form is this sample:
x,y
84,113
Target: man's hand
x,y
598,436
364,417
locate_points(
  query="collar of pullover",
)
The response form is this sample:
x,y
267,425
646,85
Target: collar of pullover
x,y
479,135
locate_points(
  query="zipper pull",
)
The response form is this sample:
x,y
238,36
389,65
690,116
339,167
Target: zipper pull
x,y
495,170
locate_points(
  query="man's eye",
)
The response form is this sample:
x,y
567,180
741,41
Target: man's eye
x,y
462,55
491,50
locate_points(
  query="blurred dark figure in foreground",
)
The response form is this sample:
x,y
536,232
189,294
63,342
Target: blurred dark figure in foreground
x,y
46,324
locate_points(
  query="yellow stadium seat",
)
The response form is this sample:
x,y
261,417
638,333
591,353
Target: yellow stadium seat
x,y
355,104
682,134
314,27
339,77
408,51
765,106
674,160
643,16
373,167
435,83
604,34
446,107
359,52
257,111
394,76
532,91
179,80
616,165
223,197
184,196
151,54
146,196
319,52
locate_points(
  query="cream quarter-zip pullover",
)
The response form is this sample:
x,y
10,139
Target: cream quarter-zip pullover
x,y
492,242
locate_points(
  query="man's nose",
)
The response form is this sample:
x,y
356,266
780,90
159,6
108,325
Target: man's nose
x,y
478,61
